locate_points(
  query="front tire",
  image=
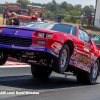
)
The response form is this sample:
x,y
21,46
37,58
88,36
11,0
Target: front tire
x,y
40,71
60,64
89,78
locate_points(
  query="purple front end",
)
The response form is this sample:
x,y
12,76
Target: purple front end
x,y
21,38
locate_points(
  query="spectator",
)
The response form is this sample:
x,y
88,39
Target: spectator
x,y
35,19
89,19
83,19
36,14
13,20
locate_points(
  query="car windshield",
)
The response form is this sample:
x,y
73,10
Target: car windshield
x,y
52,26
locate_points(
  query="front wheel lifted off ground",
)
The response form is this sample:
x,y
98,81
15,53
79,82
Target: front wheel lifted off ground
x,y
60,64
89,78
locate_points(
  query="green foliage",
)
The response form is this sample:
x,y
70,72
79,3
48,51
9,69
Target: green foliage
x,y
50,15
67,19
78,21
24,3
88,9
71,18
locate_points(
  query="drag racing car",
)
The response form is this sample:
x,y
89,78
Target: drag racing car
x,y
51,47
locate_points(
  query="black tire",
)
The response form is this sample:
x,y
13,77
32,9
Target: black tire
x,y
3,60
57,61
40,71
87,78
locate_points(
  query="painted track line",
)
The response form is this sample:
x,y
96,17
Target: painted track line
x,y
12,64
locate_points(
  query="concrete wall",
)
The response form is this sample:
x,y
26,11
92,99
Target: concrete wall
x,y
97,15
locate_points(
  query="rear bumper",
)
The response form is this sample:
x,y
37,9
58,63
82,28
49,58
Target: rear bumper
x,y
31,48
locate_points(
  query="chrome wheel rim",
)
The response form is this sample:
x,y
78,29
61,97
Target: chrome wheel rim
x,y
95,70
63,58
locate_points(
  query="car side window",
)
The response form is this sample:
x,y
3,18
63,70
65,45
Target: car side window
x,y
84,36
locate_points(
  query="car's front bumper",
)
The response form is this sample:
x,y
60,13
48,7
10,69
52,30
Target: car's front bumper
x,y
31,48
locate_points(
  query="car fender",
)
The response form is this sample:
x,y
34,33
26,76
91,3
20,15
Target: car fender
x,y
61,39
69,41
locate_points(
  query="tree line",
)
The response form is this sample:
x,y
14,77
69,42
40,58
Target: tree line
x,y
60,8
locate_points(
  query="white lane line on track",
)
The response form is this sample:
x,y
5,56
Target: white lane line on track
x,y
14,66
11,64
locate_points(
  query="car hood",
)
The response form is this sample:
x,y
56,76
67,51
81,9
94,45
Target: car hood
x,y
18,31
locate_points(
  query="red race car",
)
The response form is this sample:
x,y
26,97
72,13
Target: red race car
x,y
51,47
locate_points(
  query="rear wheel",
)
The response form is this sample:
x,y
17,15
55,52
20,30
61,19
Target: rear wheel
x,y
60,64
41,71
89,78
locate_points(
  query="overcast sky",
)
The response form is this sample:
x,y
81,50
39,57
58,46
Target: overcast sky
x,y
73,2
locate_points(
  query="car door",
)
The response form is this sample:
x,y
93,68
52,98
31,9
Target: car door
x,y
85,50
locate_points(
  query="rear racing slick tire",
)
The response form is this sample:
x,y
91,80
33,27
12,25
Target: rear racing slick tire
x,y
89,78
40,71
60,64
